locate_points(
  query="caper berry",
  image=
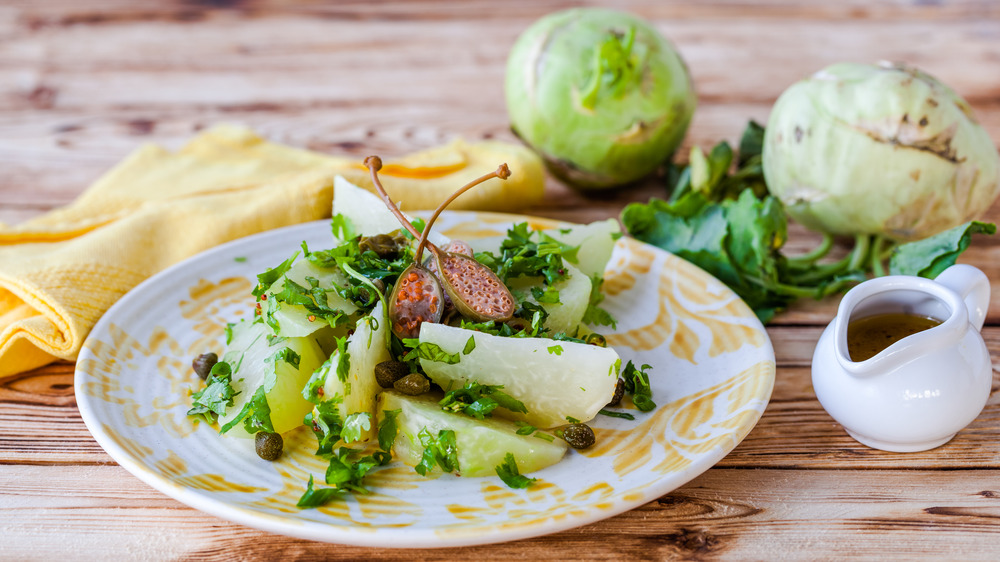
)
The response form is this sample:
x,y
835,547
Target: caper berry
x,y
268,445
619,393
203,364
579,435
412,384
387,247
388,372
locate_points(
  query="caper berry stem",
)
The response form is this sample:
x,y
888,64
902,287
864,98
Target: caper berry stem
x,y
374,164
503,172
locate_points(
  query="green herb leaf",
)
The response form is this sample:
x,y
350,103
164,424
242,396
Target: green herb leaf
x,y
354,425
930,256
594,314
266,279
441,451
388,428
255,415
637,384
613,414
318,497
342,228
479,400
326,424
525,429
555,349
511,476
548,295
470,346
314,386
217,395
432,352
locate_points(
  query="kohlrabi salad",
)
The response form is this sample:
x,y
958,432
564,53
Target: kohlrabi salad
x,y
481,360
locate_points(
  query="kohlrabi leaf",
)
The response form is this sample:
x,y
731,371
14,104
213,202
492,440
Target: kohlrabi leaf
x,y
930,256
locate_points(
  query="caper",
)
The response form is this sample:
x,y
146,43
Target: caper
x,y
578,435
619,393
203,364
597,339
268,445
412,384
387,247
388,372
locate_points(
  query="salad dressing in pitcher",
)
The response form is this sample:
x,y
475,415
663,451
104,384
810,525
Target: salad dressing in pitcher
x,y
914,393
866,337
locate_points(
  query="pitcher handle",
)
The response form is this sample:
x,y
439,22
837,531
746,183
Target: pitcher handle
x,y
973,286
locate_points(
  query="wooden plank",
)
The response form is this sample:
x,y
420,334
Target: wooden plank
x,y
724,513
67,12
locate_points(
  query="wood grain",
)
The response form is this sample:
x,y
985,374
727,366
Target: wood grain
x,y
84,83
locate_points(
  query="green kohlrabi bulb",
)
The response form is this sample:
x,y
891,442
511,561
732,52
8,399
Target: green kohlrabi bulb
x,y
878,149
600,94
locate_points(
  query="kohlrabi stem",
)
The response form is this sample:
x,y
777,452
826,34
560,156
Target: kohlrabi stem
x,y
806,260
374,163
876,257
503,172
859,255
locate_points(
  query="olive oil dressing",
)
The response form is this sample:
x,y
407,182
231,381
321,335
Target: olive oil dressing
x,y
868,336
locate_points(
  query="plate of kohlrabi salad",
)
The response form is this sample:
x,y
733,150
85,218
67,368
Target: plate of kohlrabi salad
x,y
427,379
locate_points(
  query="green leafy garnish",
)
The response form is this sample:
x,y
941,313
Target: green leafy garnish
x,y
555,350
388,428
595,315
255,415
430,352
522,256
637,384
354,425
342,228
511,476
548,295
266,279
217,395
470,346
613,414
316,497
441,451
479,400
326,423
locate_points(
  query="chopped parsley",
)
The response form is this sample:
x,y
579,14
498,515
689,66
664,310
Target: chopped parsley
x,y
511,476
217,395
430,352
441,451
637,384
555,350
613,414
479,400
354,425
266,279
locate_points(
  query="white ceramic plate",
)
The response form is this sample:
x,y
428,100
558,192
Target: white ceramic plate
x,y
712,375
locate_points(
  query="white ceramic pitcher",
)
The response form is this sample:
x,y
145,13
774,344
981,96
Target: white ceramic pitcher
x,y
921,390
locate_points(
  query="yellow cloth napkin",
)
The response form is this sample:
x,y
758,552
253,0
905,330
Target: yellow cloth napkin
x,y
60,272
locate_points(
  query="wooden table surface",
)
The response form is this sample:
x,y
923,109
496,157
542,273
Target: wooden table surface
x,y
83,83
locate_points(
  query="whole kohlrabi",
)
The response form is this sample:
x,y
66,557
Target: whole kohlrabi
x,y
887,150
600,94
